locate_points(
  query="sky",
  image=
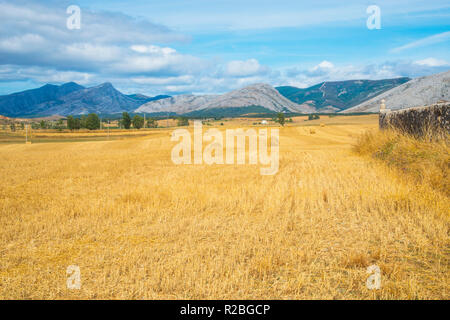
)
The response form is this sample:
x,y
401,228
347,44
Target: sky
x,y
214,46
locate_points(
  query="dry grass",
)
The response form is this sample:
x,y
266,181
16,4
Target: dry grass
x,y
141,227
422,160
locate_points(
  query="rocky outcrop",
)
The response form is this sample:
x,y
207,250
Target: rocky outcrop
x,y
178,104
261,94
422,91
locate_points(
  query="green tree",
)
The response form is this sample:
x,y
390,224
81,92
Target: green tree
x,y
182,121
70,123
77,124
280,118
13,127
126,120
59,125
138,122
152,123
92,122
43,124
83,122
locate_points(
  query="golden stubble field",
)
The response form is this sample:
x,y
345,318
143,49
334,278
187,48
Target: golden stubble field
x,y
140,227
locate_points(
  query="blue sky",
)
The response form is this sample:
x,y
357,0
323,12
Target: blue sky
x,y
197,46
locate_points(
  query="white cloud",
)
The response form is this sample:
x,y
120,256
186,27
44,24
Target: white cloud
x,y
22,43
324,65
153,59
250,67
186,79
90,52
33,33
432,62
437,38
327,71
43,75
153,49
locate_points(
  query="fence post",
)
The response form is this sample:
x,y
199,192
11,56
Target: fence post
x,y
382,121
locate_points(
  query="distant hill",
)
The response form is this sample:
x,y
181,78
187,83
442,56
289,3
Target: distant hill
x,y
22,103
229,112
179,104
417,92
144,99
99,99
260,94
339,95
263,96
70,99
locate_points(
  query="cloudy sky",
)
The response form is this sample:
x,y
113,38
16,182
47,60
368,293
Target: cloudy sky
x,y
212,46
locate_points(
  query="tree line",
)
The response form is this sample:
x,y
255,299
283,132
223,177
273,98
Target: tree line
x,y
92,122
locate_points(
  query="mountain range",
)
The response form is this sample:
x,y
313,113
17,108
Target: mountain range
x,y
21,103
417,92
339,95
261,95
326,97
70,98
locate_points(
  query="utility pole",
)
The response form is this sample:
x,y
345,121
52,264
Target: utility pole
x,y
26,135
